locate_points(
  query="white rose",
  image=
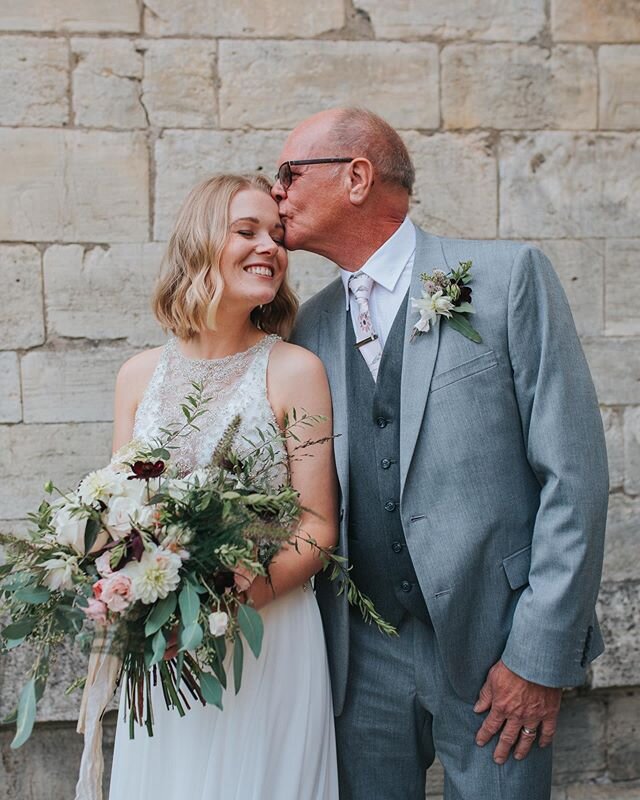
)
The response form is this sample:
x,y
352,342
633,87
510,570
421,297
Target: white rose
x,y
69,528
119,514
59,575
218,623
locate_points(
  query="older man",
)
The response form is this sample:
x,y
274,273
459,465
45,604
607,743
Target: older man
x,y
473,477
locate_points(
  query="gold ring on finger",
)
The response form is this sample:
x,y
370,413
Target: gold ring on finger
x,y
529,731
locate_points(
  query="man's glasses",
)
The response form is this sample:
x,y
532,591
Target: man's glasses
x,y
285,177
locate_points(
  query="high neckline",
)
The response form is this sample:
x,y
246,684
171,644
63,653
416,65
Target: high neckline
x,y
223,360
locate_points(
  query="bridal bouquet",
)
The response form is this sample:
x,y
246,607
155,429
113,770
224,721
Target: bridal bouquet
x,y
140,564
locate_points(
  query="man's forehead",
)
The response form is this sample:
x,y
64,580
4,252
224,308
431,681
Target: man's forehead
x,y
307,140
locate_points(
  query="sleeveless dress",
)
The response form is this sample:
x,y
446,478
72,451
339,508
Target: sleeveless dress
x,y
274,740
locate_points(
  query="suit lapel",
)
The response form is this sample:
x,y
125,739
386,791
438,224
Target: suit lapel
x,y
332,337
419,356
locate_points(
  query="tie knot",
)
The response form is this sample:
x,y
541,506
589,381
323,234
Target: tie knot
x,y
360,286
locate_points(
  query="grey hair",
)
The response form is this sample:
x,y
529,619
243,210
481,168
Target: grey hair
x,y
364,133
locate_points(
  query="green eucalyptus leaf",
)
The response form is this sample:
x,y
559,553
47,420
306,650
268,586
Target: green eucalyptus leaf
x,y
26,714
5,569
91,532
35,595
211,689
250,623
158,645
238,660
189,605
160,614
460,324
19,629
191,637
11,643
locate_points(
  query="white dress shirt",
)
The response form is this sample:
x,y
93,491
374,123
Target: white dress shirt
x,y
390,267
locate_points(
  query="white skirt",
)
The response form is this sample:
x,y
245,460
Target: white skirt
x,y
274,739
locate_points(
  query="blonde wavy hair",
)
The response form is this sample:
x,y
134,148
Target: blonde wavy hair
x,y
190,287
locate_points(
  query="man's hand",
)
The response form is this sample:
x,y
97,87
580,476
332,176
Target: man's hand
x,y
513,704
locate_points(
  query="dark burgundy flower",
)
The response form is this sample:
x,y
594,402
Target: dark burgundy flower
x,y
223,580
465,295
147,469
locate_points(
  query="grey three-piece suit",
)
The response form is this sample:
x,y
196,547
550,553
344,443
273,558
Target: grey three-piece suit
x,y
474,486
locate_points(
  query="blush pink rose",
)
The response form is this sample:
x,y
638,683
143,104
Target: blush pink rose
x,y
114,591
96,610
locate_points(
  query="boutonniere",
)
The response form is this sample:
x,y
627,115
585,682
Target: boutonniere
x,y
446,296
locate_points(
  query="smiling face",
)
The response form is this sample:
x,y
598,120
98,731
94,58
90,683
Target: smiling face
x,y
253,261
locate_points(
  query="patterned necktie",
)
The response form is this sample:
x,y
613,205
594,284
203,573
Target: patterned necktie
x,y
366,339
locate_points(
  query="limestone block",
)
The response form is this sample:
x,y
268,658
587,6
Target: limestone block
x,y
615,368
183,158
70,663
613,422
517,20
623,736
32,454
397,80
619,86
308,273
46,767
595,21
622,278
622,542
299,18
456,187
22,319
34,80
579,746
10,402
179,87
567,185
73,186
580,267
619,612
518,86
604,791
112,289
107,83
70,386
88,16
632,450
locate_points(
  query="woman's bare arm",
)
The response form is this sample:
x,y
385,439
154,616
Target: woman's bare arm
x,y
132,380
297,379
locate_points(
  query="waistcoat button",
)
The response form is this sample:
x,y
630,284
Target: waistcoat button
x,y
396,547
381,422
385,463
405,586
389,506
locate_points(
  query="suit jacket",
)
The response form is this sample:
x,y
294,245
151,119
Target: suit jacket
x,y
504,481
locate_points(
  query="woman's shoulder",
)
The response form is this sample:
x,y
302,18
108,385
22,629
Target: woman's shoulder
x,y
291,360
136,372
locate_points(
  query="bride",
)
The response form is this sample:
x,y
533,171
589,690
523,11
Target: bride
x,y
225,299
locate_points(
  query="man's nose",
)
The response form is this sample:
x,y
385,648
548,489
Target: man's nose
x,y
278,192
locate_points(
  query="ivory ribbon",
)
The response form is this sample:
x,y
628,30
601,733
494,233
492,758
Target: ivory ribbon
x,y
102,675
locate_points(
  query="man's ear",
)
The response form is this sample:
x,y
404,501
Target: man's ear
x,y
360,178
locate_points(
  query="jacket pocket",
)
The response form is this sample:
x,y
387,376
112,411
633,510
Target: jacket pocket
x,y
480,363
517,566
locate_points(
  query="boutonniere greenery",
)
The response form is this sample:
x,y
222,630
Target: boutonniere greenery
x,y
446,296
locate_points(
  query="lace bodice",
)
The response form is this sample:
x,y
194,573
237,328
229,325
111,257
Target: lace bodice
x,y
236,384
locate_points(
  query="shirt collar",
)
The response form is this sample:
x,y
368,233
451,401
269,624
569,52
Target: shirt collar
x,y
387,264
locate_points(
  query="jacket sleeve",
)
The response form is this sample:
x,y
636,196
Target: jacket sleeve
x,y
553,624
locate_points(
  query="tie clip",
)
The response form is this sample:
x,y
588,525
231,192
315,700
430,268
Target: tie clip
x,y
365,341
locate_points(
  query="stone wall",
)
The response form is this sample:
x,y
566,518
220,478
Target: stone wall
x,y
523,119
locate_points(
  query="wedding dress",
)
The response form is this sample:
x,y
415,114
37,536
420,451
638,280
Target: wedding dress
x,y
274,740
